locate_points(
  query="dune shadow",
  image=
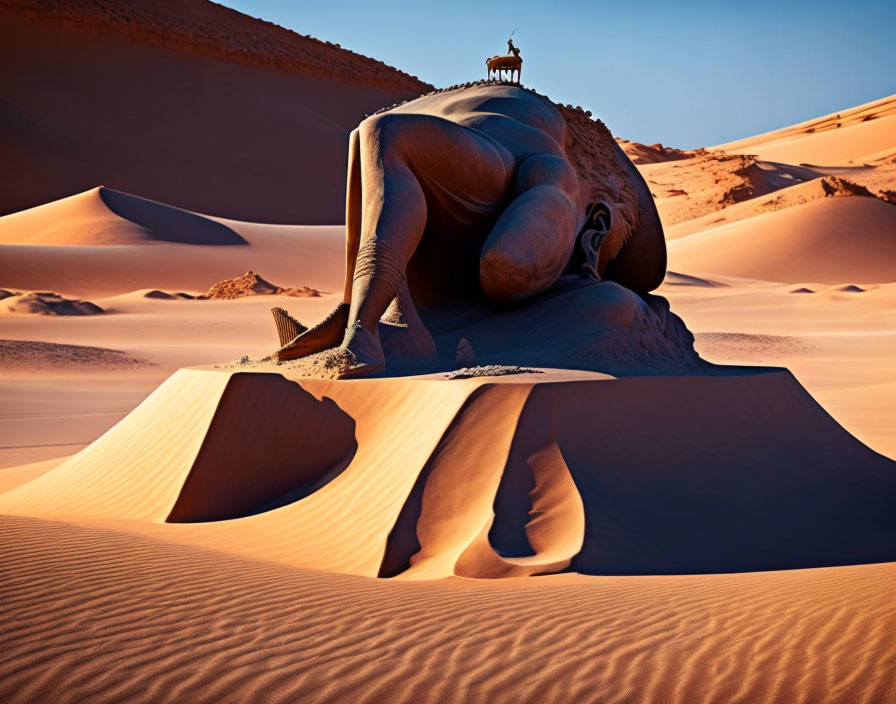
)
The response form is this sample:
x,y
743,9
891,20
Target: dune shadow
x,y
707,479
167,223
269,444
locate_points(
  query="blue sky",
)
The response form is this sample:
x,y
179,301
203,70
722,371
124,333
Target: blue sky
x,y
686,74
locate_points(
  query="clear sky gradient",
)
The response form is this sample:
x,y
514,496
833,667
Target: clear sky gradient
x,y
686,74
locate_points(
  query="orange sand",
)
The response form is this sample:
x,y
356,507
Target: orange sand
x,y
110,590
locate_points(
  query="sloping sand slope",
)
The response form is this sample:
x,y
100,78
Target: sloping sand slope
x,y
432,478
829,240
293,255
102,216
852,135
186,102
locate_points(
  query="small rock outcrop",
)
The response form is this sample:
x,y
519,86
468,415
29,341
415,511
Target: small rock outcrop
x,y
251,284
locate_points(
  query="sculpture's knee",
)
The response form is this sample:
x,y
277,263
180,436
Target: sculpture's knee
x,y
504,279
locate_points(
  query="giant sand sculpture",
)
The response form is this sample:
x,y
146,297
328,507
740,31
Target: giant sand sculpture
x,y
486,193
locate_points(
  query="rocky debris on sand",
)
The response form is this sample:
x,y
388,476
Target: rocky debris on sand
x,y
653,153
753,182
834,186
465,356
887,196
251,284
46,303
490,370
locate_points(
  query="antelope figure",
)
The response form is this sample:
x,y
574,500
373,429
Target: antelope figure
x,y
511,62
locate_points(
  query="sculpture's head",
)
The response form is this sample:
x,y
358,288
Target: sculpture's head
x,y
633,247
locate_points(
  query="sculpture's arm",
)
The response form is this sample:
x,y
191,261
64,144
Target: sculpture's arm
x,y
531,243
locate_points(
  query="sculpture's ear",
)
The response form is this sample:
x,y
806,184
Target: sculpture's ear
x,y
641,264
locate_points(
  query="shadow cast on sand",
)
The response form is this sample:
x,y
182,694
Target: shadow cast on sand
x,y
425,478
264,448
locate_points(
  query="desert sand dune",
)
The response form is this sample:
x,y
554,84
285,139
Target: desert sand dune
x,y
188,103
294,255
786,197
708,183
447,492
102,216
143,620
828,240
853,135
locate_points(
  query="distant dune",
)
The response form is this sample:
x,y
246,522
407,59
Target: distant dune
x,y
102,216
829,240
185,102
861,133
815,189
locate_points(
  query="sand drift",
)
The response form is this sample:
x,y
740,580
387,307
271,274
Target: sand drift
x,y
426,478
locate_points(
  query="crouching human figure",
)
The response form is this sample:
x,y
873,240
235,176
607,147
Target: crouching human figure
x,y
483,190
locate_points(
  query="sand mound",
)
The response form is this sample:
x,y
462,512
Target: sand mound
x,y
827,240
852,135
45,303
185,102
653,153
26,355
673,278
251,284
165,296
102,216
486,478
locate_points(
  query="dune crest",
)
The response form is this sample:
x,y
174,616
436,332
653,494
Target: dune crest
x,y
852,135
103,216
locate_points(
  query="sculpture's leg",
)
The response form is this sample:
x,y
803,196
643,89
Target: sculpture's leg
x,y
331,330
397,152
530,245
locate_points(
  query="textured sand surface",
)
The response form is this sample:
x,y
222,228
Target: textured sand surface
x,y
135,619
430,478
